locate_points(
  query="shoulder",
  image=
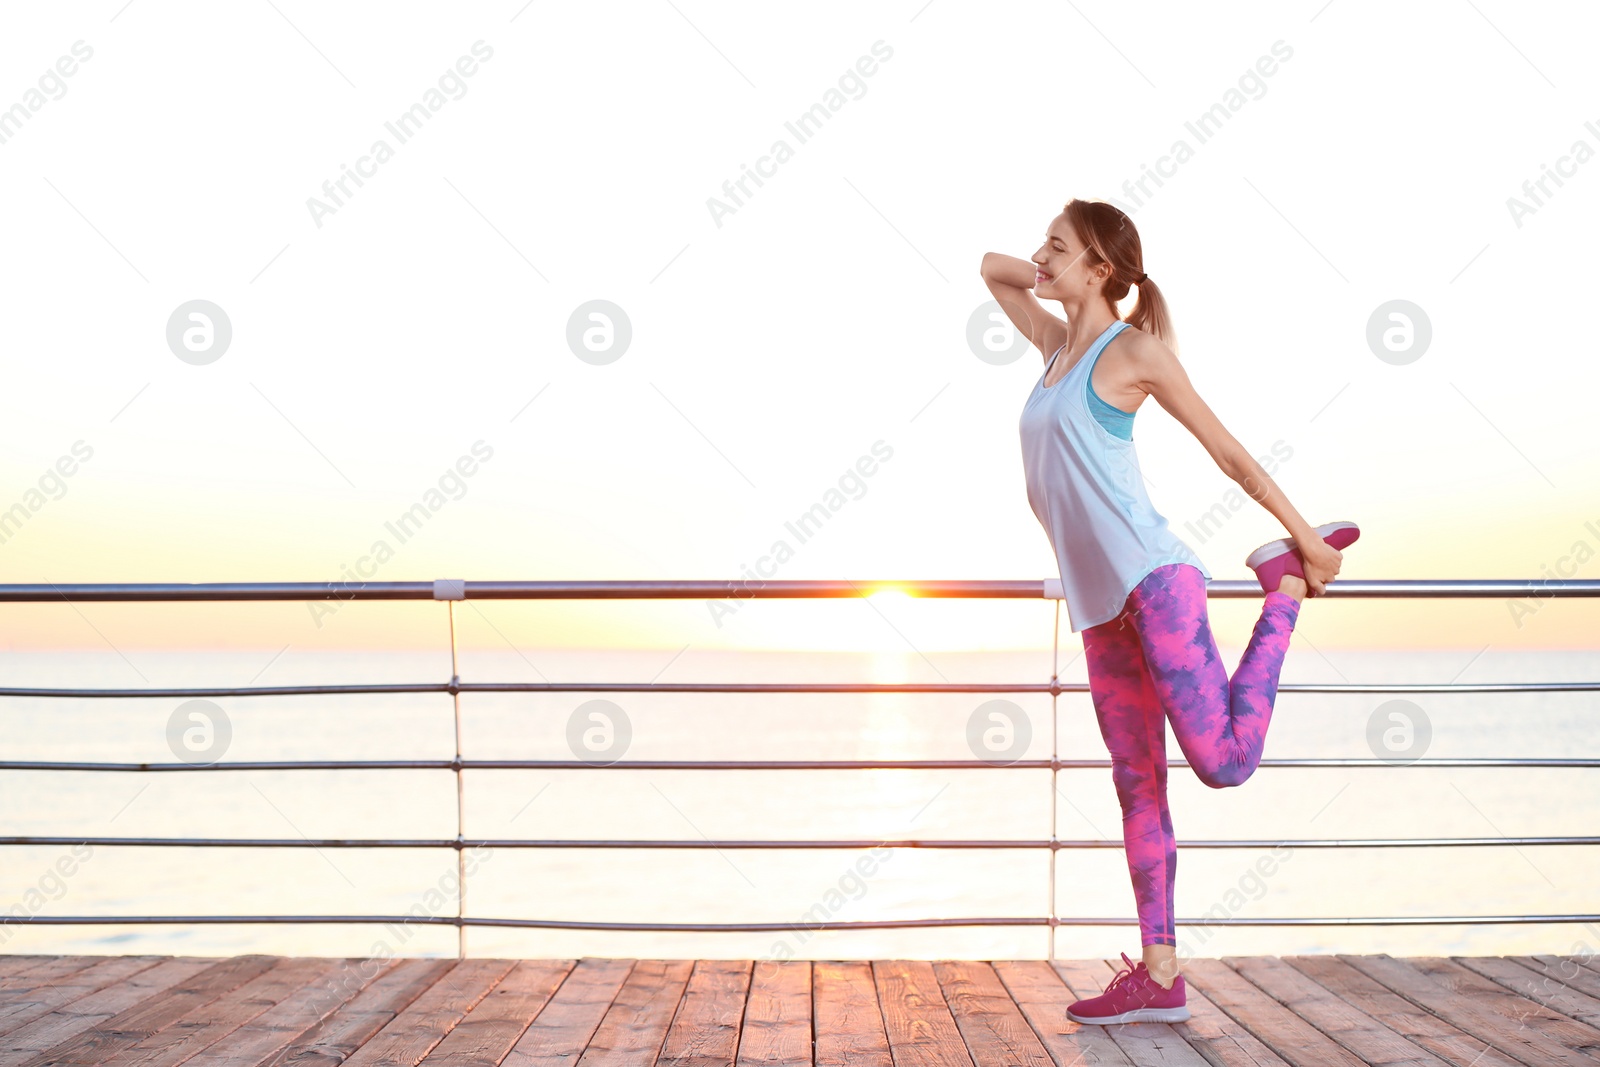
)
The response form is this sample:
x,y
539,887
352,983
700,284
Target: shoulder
x,y
1144,349
1151,361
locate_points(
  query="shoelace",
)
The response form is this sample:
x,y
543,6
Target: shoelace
x,y
1124,975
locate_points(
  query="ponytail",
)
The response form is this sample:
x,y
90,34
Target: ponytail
x,y
1110,237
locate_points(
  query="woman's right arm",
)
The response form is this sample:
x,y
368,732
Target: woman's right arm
x,y
1010,281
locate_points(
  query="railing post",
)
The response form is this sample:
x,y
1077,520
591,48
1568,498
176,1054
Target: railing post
x,y
1055,757
450,591
461,801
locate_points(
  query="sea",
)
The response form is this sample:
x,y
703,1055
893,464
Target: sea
x,y
799,888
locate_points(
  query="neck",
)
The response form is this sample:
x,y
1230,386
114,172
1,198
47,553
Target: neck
x,y
1086,320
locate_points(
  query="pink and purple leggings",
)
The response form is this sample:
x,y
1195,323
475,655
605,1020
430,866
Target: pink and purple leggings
x,y
1158,661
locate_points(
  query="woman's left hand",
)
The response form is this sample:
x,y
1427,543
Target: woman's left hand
x,y
1321,561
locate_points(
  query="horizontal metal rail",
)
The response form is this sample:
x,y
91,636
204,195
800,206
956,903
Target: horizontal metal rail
x,y
755,765
725,589
1051,688
855,924
707,843
453,590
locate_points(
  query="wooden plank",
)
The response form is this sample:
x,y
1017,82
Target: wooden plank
x,y
990,1022
302,1009
424,1022
1399,1014
274,1012
489,1031
1512,1004
634,1026
17,962
1274,1025
922,1032
1564,970
15,966
213,1022
17,981
1368,1038
390,991
1474,1013
132,1025
1214,1034
777,1016
849,1025
1552,993
705,1031
105,971
79,1015
1043,997
559,1034
1143,1043
42,973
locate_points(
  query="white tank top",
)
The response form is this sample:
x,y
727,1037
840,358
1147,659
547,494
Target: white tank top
x,y
1085,487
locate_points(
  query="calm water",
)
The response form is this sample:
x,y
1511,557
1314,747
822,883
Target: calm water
x,y
713,886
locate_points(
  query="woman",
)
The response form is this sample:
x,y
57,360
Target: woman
x,y
1132,587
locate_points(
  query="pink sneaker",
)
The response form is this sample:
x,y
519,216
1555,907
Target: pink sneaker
x,y
1132,996
1276,558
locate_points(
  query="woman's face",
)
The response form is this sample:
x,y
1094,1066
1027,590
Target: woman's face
x,y
1061,263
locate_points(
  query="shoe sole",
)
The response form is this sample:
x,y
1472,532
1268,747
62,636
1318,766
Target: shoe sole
x,y
1331,532
1137,1015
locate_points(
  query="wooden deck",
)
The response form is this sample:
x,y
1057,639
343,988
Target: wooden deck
x,y
150,1011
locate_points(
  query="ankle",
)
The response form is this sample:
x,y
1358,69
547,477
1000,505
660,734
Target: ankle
x,y
1293,586
1162,969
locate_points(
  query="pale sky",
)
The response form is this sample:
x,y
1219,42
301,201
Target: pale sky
x,y
377,340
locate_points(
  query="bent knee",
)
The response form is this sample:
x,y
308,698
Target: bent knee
x,y
1224,777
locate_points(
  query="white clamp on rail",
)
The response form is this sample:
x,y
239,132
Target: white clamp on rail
x,y
1052,589
449,589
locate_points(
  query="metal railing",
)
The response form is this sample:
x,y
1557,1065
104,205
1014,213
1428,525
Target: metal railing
x,y
450,591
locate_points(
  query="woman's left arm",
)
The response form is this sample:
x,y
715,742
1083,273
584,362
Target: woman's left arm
x,y
1163,377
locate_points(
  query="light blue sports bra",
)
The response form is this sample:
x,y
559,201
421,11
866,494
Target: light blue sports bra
x,y
1117,422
